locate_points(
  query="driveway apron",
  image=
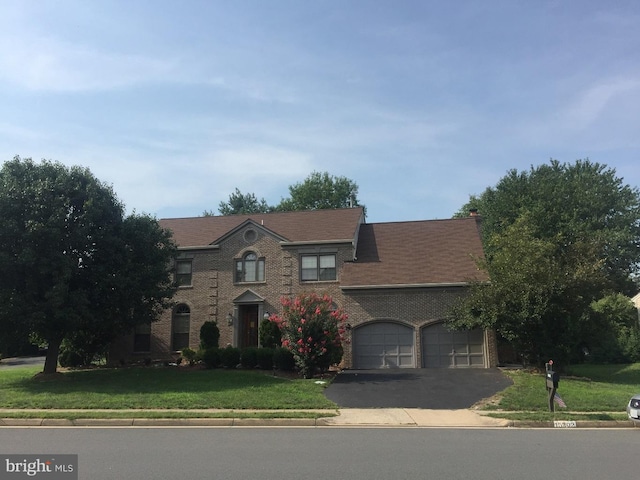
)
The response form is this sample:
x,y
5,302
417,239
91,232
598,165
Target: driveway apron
x,y
438,389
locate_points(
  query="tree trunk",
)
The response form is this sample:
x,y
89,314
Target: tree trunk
x,y
51,360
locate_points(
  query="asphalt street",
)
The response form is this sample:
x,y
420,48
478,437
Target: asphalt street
x,y
334,453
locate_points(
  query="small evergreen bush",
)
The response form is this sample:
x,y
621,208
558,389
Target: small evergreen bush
x,y
265,358
230,357
249,357
283,359
270,336
211,357
209,335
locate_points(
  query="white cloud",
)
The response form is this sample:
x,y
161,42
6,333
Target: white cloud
x,y
592,102
597,115
48,64
193,184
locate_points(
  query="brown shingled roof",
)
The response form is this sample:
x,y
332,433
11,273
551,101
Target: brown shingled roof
x,y
416,253
303,226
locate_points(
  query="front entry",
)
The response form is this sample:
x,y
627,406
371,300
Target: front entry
x,y
248,325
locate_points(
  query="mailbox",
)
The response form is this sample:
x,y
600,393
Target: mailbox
x,y
553,378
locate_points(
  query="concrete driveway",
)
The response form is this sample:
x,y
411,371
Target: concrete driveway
x,y
437,389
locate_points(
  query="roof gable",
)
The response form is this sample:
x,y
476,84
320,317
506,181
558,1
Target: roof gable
x,y
431,252
255,225
248,296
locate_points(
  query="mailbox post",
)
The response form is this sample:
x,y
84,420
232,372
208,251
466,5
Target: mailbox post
x,y
552,380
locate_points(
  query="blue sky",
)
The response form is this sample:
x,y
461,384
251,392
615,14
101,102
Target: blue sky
x,y
421,103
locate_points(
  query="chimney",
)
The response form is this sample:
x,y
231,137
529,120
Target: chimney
x,y
473,212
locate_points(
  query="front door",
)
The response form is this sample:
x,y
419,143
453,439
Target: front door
x,y
249,326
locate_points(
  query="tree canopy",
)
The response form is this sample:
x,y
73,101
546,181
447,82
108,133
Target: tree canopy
x,y
321,191
318,191
557,238
242,203
74,266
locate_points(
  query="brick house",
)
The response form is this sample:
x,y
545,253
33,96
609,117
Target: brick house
x,y
394,280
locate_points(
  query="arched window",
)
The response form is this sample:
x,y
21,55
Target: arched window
x,y
250,268
180,325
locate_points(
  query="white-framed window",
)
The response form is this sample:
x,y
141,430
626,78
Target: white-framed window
x,y
249,268
184,273
318,267
180,326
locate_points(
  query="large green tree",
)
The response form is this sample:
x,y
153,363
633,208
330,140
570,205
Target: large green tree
x,y
74,266
318,191
321,191
568,203
557,238
242,203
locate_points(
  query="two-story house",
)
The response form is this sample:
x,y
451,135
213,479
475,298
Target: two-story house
x,y
396,282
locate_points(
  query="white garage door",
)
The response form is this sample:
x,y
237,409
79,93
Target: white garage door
x,y
442,348
384,345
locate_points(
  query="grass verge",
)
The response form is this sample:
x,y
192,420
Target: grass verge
x,y
587,390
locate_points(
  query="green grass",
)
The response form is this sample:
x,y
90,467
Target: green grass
x,y
177,414
158,388
559,415
591,392
585,388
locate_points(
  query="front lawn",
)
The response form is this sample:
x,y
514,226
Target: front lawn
x,y
158,388
584,388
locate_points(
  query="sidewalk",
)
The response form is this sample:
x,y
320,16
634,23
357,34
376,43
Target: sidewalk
x,y
413,417
347,417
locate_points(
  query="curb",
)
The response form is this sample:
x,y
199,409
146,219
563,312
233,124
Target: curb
x,y
355,418
574,424
162,422
283,422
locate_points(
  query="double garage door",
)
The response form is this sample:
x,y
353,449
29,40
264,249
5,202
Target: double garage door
x,y
392,345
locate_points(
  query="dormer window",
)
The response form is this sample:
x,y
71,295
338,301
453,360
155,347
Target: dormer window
x,y
250,268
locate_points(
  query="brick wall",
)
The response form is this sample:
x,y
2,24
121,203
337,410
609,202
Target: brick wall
x,y
415,307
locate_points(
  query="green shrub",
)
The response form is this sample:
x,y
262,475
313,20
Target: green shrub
x,y
283,359
629,341
249,357
69,358
189,355
265,358
270,334
209,335
211,357
230,357
86,348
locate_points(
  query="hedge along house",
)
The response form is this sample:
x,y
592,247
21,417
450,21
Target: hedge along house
x,y
396,282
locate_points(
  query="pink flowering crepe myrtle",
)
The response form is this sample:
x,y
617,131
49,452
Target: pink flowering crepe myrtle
x,y
312,330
